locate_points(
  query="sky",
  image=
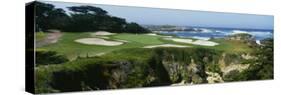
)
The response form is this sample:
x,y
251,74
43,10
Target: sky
x,y
156,16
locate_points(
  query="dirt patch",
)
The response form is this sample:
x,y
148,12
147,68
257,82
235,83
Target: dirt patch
x,y
52,37
98,41
166,45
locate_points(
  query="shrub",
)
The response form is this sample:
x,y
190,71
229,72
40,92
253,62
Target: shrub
x,y
49,57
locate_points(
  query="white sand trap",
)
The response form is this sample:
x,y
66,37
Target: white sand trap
x,y
197,42
182,40
151,34
166,45
205,43
102,33
154,34
98,41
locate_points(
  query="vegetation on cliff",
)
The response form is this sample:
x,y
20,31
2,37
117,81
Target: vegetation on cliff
x,y
140,68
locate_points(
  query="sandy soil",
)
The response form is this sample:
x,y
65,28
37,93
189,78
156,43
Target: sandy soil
x,y
165,45
196,42
98,41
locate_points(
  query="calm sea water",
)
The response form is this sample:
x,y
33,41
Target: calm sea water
x,y
207,33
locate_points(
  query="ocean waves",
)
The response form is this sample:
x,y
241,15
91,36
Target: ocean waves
x,y
206,34
257,34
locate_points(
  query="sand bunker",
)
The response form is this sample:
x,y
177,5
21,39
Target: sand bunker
x,y
98,41
166,45
102,33
197,42
205,43
151,34
154,34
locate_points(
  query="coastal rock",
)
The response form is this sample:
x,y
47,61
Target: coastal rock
x,y
243,37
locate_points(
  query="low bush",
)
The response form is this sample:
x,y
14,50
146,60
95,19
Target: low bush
x,y
49,57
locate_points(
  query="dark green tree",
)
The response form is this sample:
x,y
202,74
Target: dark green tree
x,y
49,17
87,10
135,28
90,18
81,19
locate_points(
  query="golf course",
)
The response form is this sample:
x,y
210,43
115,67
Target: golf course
x,y
68,45
84,48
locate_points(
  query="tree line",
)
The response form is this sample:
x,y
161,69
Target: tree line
x,y
82,19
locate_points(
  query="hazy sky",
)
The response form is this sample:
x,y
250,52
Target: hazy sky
x,y
157,16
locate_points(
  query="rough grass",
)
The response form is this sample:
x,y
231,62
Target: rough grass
x,y
231,46
64,77
40,36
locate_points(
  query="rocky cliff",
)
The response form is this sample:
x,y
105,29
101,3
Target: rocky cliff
x,y
165,66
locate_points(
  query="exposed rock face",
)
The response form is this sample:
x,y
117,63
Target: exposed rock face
x,y
214,77
190,72
230,64
247,56
232,67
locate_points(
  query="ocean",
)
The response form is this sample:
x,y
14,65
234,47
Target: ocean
x,y
207,33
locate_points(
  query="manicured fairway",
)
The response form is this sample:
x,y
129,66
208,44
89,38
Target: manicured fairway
x,y
66,45
140,39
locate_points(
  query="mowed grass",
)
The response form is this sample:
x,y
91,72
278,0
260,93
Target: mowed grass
x,y
67,46
139,38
